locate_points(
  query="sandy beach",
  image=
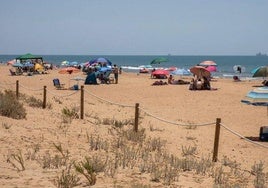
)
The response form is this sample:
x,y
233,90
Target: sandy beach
x,y
181,121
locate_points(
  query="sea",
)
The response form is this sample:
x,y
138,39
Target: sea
x,y
132,63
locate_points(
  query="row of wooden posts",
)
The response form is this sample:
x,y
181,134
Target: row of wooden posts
x,y
136,120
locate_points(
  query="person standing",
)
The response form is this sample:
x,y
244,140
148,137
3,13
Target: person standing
x,y
116,72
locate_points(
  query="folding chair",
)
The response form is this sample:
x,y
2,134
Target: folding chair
x,y
57,84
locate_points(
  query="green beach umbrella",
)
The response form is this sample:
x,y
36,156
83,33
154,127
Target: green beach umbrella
x,y
159,60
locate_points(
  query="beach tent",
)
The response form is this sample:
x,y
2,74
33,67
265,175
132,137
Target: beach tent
x,y
91,79
100,60
29,56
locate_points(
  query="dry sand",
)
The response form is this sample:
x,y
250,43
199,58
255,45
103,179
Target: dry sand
x,y
174,103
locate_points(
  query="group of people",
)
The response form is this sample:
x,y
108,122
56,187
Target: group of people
x,y
103,76
200,83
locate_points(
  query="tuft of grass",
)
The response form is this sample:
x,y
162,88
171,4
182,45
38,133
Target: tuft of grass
x,y
67,179
10,106
17,161
188,151
69,114
86,169
260,178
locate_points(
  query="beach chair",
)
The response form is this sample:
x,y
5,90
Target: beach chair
x,y
57,84
12,72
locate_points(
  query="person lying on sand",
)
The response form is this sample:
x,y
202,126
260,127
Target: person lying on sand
x,y
157,83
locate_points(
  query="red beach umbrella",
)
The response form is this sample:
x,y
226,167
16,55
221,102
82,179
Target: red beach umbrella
x,y
160,72
69,70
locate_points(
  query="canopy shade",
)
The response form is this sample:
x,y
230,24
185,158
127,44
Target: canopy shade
x,y
29,56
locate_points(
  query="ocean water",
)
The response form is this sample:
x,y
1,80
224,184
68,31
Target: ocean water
x,y
225,64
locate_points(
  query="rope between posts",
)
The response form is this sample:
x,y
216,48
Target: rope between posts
x,y
66,95
174,123
123,105
242,137
30,88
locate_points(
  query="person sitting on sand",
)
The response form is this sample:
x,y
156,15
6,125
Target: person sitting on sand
x,y
199,84
171,80
206,83
236,79
265,83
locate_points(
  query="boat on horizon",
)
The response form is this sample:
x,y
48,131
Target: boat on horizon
x,y
261,54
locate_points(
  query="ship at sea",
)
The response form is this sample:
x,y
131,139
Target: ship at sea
x,y
261,54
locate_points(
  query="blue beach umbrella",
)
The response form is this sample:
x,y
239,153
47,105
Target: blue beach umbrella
x,y
28,64
181,72
74,63
17,64
257,97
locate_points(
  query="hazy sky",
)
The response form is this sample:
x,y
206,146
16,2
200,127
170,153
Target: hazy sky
x,y
134,27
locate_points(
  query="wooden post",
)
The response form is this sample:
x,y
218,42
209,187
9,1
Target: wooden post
x,y
17,89
82,103
216,140
45,97
136,117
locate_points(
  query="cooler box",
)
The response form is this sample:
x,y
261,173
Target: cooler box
x,y
264,133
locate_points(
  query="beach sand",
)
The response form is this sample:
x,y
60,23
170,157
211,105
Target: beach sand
x,y
163,112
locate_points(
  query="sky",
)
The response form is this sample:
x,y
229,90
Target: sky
x,y
134,27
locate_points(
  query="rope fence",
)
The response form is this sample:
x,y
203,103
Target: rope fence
x,y
137,109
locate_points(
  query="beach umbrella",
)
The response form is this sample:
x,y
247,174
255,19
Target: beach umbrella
x,y
159,60
211,68
200,71
65,63
239,69
208,63
69,70
28,64
257,97
17,64
160,72
260,72
180,72
74,63
104,69
100,60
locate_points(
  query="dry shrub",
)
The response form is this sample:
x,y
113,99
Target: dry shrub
x,y
67,179
10,106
